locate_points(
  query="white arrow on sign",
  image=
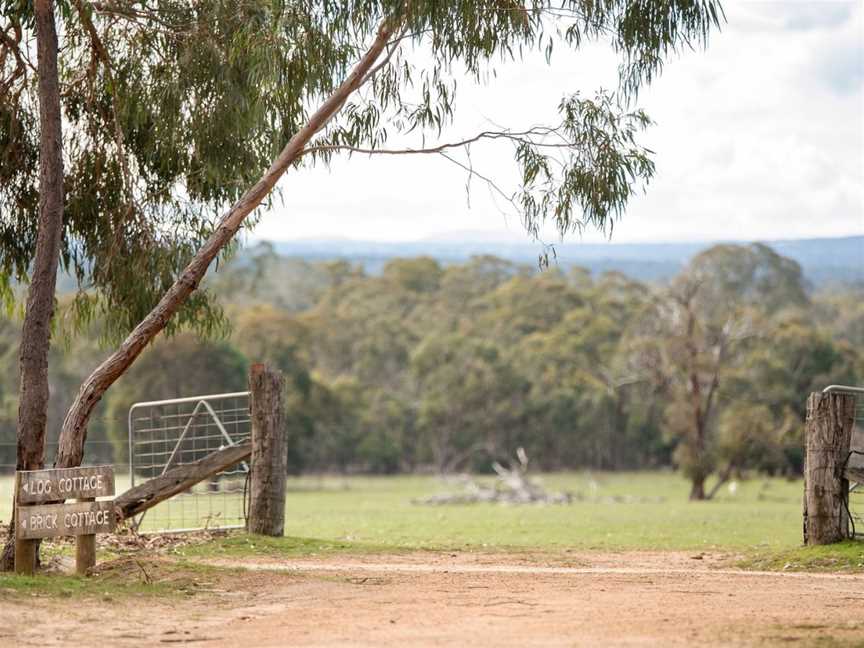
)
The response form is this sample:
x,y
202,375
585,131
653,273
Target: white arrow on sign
x,y
23,523
26,487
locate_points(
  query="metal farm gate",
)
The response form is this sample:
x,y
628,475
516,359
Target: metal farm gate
x,y
168,433
856,457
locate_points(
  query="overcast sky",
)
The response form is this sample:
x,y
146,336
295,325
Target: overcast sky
x,y
761,136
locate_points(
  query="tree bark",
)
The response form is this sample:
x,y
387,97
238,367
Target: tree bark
x,y
36,331
697,481
74,431
697,488
827,437
267,484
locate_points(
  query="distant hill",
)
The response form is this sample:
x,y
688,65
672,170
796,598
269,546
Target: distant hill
x,y
825,261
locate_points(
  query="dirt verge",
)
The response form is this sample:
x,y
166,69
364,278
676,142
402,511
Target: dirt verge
x,y
436,599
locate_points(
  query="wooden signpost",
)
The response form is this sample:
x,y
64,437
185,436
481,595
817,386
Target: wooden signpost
x,y
38,515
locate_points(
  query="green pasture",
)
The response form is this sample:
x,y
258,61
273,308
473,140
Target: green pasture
x,y
644,510
611,511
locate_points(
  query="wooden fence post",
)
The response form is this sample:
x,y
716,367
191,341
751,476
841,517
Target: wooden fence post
x,y
25,556
827,437
25,550
85,548
267,482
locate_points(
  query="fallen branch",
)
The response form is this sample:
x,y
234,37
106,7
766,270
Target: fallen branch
x,y
140,498
512,487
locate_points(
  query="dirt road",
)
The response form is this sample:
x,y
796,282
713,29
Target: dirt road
x,y
623,599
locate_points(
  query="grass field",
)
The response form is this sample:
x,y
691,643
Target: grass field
x,y
647,510
619,511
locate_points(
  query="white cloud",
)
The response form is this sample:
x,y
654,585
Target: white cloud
x,y
759,136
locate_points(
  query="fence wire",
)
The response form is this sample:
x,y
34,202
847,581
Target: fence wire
x,y
856,490
169,433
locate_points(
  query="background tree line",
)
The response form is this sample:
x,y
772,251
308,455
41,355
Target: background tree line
x,y
447,368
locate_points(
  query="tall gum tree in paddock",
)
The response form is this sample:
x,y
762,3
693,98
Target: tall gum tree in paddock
x,y
704,339
179,118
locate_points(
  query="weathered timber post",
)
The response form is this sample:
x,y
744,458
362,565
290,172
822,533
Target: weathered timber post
x,y
25,550
25,556
85,548
827,437
267,482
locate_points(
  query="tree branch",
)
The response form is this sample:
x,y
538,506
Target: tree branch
x,y
722,478
13,45
129,13
515,136
489,182
392,46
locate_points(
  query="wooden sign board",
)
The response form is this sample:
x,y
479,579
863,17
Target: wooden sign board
x,y
84,519
51,520
36,486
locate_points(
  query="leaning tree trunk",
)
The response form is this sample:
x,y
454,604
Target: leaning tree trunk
x,y
74,431
36,332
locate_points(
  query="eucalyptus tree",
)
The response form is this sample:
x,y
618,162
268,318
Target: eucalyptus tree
x,y
121,189
723,307
180,118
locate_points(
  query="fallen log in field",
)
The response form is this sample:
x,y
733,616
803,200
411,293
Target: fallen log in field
x,y
512,487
